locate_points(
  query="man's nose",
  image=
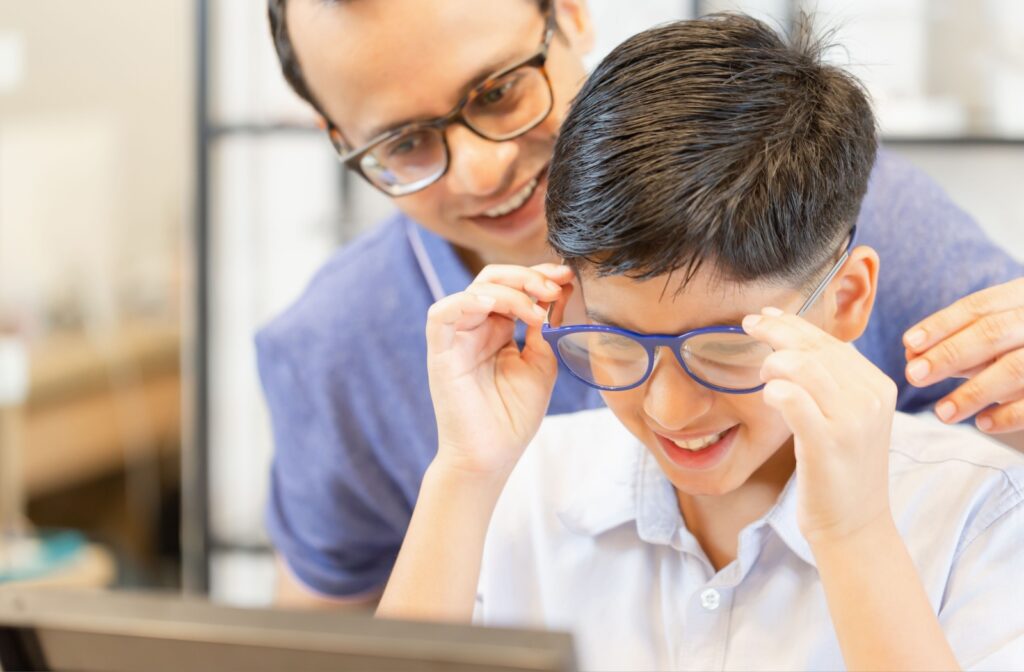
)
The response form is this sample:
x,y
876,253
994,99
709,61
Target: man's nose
x,y
672,398
477,166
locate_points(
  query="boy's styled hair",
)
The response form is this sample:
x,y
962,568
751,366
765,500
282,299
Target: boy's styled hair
x,y
712,140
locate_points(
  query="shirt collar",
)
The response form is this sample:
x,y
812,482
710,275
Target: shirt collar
x,y
606,497
441,266
782,519
635,488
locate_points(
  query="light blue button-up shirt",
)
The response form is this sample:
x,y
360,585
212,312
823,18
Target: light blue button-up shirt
x,y
587,536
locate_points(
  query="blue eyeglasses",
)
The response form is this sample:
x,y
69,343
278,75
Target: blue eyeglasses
x,y
722,358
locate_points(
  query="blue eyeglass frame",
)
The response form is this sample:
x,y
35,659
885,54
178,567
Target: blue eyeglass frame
x,y
674,342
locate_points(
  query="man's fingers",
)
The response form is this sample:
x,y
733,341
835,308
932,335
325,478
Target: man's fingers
x,y
1000,382
1002,419
983,340
952,319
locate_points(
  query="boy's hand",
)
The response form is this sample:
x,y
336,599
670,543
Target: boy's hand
x,y
489,398
840,409
980,337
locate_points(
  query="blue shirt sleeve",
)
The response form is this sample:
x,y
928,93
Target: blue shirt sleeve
x,y
932,253
327,512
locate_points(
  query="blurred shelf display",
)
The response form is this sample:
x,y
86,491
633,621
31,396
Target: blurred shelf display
x,y
97,402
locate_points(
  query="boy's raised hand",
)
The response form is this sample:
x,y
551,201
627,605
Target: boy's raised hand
x,y
489,397
840,408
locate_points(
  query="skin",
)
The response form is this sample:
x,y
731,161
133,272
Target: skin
x,y
981,338
825,412
372,64
411,60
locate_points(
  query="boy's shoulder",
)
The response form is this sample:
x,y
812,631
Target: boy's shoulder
x,y
952,476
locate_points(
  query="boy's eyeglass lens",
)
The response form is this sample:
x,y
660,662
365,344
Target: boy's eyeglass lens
x,y
729,361
502,109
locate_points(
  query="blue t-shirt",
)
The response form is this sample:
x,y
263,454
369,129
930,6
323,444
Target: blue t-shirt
x,y
344,369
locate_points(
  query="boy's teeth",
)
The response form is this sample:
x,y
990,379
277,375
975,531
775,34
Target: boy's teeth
x,y
697,444
513,203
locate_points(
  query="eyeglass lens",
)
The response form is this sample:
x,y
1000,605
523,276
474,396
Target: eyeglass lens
x,y
502,109
725,360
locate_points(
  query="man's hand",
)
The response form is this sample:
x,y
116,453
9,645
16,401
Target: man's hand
x,y
981,338
840,408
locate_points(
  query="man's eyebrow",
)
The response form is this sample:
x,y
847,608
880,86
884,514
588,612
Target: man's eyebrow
x,y
481,74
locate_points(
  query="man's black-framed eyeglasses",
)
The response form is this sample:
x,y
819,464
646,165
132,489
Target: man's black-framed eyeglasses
x,y
506,105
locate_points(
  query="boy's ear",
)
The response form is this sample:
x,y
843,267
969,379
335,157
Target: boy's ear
x,y
574,22
854,293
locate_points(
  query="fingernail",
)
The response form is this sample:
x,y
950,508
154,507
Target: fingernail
x,y
945,410
486,301
750,321
774,312
551,286
984,423
541,312
918,369
915,338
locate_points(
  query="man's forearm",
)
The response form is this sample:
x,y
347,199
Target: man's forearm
x,y
879,608
438,567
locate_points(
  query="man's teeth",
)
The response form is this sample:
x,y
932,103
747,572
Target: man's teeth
x,y
697,444
515,202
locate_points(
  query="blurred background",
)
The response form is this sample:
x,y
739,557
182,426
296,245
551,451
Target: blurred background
x,y
163,193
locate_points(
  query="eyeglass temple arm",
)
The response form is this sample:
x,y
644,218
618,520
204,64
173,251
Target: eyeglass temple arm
x,y
831,274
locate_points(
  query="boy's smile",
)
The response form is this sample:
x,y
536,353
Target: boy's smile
x,y
706,442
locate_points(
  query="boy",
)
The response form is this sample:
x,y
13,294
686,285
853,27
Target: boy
x,y
748,499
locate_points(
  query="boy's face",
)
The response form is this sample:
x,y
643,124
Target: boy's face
x,y
671,408
376,64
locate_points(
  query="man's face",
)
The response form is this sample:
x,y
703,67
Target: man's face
x,y
670,408
376,64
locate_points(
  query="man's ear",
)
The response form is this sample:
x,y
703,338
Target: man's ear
x,y
853,294
574,22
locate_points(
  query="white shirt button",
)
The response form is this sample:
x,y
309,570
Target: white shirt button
x,y
710,599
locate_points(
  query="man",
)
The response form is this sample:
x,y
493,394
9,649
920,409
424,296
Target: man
x,y
452,108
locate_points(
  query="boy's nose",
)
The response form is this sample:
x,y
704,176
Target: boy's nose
x,y
477,166
672,398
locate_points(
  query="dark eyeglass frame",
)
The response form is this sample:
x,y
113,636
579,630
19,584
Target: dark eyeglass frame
x,y
352,159
674,342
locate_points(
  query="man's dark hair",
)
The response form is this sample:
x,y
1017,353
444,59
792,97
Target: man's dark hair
x,y
277,12
712,140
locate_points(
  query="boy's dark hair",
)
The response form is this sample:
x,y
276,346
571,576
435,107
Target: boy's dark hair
x,y
277,13
711,140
